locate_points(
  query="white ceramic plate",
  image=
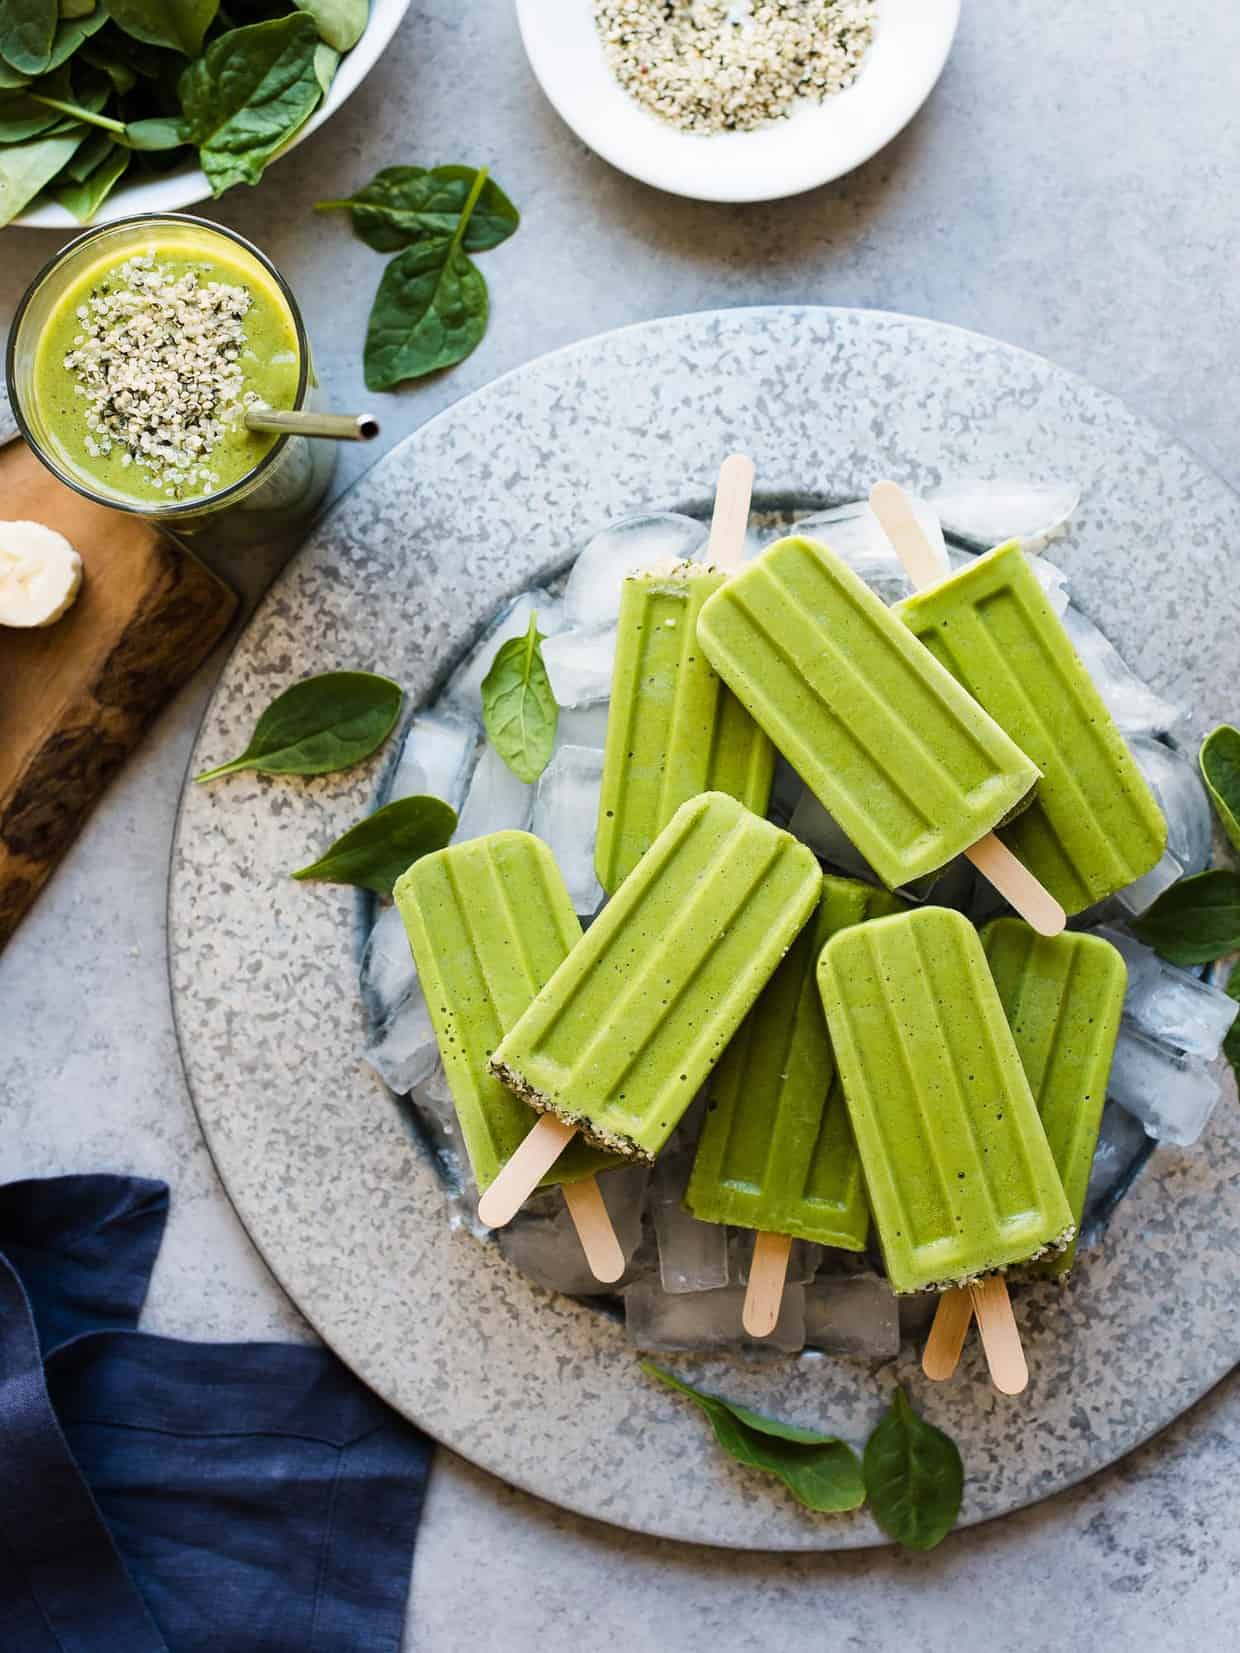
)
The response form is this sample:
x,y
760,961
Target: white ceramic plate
x,y
187,184
819,142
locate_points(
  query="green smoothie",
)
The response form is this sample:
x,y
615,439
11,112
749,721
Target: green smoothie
x,y
148,363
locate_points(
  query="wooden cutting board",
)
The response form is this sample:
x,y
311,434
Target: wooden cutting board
x,y
76,696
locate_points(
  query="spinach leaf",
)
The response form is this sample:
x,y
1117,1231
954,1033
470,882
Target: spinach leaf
x,y
1220,769
71,33
248,94
376,852
1231,1044
319,725
518,706
177,24
341,23
10,80
402,205
819,1471
26,167
430,310
914,1477
84,198
106,58
1196,920
155,133
27,29
92,154
25,114
326,62
76,8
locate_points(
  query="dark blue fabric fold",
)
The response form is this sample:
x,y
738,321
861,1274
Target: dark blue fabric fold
x,y
155,1493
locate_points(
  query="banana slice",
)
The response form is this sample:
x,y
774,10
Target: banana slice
x,y
40,573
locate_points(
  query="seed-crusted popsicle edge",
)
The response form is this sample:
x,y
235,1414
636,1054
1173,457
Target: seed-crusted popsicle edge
x,y
610,1142
1061,1242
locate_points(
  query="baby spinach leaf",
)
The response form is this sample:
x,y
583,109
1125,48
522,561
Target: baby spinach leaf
x,y
76,8
247,95
157,132
819,1471
27,29
92,154
518,706
914,1477
71,32
341,23
84,198
326,62
25,114
402,205
1220,769
177,24
26,167
1196,920
319,725
1231,1044
106,58
378,850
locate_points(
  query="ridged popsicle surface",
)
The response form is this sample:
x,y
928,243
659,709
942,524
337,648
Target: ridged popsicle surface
x,y
906,761
1063,997
1093,826
776,1150
489,921
960,1176
674,729
621,1038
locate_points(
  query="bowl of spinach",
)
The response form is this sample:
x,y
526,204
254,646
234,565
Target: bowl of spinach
x,y
114,107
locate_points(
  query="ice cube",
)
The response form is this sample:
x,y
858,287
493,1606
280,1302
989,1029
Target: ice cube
x,y
582,726
1123,1149
828,840
496,800
436,759
1054,583
579,664
854,1314
403,1050
1132,901
854,533
387,973
626,546
1172,1005
693,1255
1172,1095
803,1258
1133,704
464,689
566,818
983,514
1177,785
706,1321
542,1243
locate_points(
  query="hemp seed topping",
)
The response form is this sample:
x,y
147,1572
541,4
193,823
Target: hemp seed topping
x,y
710,66
159,360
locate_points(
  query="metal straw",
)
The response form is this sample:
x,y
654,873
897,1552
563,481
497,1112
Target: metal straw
x,y
338,427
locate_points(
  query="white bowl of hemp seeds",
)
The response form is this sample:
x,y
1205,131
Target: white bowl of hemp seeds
x,y
737,100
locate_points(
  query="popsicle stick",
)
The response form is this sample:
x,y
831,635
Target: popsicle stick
x,y
1000,1336
922,563
524,1171
730,518
941,1354
592,1221
992,858
767,1272
1017,885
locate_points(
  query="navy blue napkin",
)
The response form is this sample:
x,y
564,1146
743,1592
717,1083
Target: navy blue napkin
x,y
160,1496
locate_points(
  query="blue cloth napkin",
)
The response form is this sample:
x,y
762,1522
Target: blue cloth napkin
x,y
160,1496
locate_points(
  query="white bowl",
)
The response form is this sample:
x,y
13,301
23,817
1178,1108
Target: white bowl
x,y
187,184
819,142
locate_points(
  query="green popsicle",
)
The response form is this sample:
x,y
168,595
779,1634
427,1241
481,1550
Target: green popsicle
x,y
1063,998
960,1176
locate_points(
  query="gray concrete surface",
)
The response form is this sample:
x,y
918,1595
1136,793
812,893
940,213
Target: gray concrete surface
x,y
1069,187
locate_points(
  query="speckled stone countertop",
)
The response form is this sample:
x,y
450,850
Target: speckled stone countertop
x,y
1069,188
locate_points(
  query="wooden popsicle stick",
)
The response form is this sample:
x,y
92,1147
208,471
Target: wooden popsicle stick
x,y
768,1270
594,1228
992,858
941,1354
730,518
524,1171
1000,1335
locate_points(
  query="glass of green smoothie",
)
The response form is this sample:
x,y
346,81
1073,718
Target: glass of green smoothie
x,y
133,360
